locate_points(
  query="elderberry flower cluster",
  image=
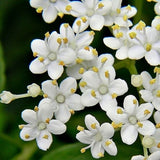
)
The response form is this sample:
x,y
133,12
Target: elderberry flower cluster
x,y
89,78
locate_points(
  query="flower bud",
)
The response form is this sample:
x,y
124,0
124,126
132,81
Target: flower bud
x,y
6,97
136,80
148,141
33,90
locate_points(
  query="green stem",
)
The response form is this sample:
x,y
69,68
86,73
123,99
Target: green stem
x,y
145,151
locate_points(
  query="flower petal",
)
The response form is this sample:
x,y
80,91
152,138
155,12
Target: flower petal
x,y
112,42
96,149
29,116
93,22
106,130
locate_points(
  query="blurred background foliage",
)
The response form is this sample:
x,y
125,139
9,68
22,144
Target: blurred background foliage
x,y
19,25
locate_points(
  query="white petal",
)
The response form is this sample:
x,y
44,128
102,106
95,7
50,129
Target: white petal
x,y
37,67
146,95
157,8
55,70
44,143
148,128
97,148
129,134
157,116
39,3
67,85
136,52
93,22
39,46
138,157
156,103
49,14
90,3
106,130
154,156
56,127
112,42
29,116
122,53
109,61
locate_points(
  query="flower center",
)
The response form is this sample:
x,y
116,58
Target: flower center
x,y
132,120
60,98
52,56
103,89
41,126
98,137
52,1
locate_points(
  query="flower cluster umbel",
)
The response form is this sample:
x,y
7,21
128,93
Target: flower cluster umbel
x,y
70,51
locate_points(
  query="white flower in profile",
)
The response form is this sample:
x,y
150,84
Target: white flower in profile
x,y
153,156
100,86
134,119
40,126
157,7
49,8
151,91
62,99
50,56
98,137
89,12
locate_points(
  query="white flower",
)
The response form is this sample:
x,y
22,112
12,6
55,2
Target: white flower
x,y
89,12
50,55
101,87
134,118
49,8
40,126
151,91
153,156
34,90
157,7
62,99
97,137
6,97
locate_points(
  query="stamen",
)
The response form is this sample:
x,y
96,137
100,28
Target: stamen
x,y
66,25
118,10
100,5
78,23
114,95
91,33
95,69
21,126
81,70
156,70
82,83
106,74
104,59
68,8
93,125
158,125
59,40
36,109
100,154
47,120
47,34
72,111
125,17
116,125
83,150
146,112
158,145
107,143
35,54
132,35
84,19
134,101
61,63
86,48
119,111
65,40
152,81
39,10
27,136
158,27
128,8
93,93
148,47
54,82
73,90
41,59
94,51
119,35
115,27
140,124
45,95
60,14
80,128
45,136
158,93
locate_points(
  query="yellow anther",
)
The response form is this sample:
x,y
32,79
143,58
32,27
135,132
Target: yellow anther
x,y
45,136
158,93
158,125
61,63
27,136
36,109
100,5
82,84
158,27
59,40
100,154
73,90
128,8
119,35
68,8
21,126
47,34
80,128
140,25
35,54
125,17
115,27
114,95
152,81
94,51
148,47
72,111
47,120
39,10
45,95
158,145
119,111
84,19
146,112
156,70
66,25
104,59
134,101
81,70
107,143
95,69
132,35
152,0
91,33
60,14
78,23
93,93
140,124
93,125
116,125
79,60
54,82
118,10
65,40
41,59
86,48
83,150
106,74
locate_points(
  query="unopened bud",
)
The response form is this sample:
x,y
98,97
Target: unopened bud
x,y
6,97
136,80
33,90
148,141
